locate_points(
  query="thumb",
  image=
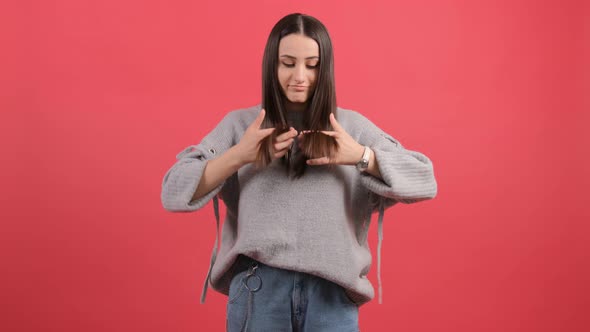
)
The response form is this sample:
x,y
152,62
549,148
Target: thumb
x,y
258,121
335,123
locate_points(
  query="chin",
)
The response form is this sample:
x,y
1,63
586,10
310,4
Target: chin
x,y
298,100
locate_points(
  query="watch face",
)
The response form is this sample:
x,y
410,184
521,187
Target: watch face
x,y
362,165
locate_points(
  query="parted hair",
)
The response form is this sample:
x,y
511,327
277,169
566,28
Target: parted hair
x,y
321,102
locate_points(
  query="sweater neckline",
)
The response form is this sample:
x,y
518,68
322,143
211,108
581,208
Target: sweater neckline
x,y
295,119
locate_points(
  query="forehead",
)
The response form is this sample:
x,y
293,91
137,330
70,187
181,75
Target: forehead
x,y
299,46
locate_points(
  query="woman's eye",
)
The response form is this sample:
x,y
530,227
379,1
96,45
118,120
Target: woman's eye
x,y
291,65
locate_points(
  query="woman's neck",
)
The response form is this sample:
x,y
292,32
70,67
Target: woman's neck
x,y
295,119
296,107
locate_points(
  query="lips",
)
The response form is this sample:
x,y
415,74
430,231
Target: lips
x,y
299,87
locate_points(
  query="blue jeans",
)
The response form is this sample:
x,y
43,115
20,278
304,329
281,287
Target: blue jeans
x,y
264,298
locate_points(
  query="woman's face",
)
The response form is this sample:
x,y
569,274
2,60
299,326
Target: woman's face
x,y
299,58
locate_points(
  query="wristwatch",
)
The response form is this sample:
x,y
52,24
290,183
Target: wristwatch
x,y
363,164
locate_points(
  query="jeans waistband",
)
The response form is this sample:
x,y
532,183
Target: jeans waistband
x,y
243,262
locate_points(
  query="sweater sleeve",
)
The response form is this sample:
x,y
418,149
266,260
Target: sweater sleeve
x,y
181,180
408,176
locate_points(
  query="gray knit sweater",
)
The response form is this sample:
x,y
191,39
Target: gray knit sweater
x,y
315,224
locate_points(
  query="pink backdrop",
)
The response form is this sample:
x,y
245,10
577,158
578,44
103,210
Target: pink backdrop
x,y
99,96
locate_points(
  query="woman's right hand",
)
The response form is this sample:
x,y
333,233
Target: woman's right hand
x,y
284,142
250,142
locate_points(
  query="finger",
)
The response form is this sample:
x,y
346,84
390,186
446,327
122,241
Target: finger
x,y
335,123
281,153
330,133
258,121
289,134
318,161
265,132
283,145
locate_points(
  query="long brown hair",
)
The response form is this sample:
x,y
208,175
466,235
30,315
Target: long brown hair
x,y
321,102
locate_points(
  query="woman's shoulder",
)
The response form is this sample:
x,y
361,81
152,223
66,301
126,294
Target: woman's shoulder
x,y
351,119
242,116
347,113
356,124
245,112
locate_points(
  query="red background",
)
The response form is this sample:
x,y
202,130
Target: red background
x,y
99,96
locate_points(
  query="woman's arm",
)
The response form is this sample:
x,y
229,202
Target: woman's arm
x,y
218,170
394,172
404,175
201,170
373,168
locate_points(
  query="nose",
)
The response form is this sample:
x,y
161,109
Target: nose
x,y
299,75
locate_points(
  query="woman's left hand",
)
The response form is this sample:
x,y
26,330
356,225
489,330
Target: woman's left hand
x,y
349,151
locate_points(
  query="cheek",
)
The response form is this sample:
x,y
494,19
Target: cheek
x,y
282,75
313,76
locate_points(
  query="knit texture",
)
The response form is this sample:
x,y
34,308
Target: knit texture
x,y
316,224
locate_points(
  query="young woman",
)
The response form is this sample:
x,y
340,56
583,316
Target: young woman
x,y
300,178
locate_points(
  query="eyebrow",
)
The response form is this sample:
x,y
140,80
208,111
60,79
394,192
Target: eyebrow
x,y
292,57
